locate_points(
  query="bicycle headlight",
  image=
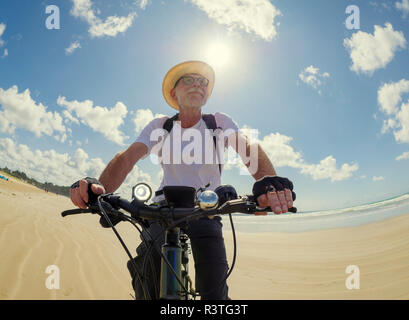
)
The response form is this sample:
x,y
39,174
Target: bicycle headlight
x,y
141,192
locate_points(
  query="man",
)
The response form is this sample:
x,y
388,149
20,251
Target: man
x,y
186,88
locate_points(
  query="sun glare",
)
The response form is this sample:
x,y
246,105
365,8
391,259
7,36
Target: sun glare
x,y
218,55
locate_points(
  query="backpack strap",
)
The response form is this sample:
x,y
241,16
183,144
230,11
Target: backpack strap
x,y
210,121
168,125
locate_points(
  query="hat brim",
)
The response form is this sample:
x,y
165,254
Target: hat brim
x,y
181,69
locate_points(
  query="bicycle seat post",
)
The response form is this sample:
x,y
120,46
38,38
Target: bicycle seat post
x,y
169,286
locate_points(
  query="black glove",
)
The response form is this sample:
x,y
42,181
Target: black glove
x,y
92,198
272,183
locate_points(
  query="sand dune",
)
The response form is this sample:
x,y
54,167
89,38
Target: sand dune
x,y
92,263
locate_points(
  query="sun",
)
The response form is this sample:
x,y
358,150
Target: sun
x,y
218,54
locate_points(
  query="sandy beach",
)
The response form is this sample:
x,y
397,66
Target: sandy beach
x,y
92,263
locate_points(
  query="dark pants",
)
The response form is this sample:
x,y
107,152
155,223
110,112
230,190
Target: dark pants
x,y
209,254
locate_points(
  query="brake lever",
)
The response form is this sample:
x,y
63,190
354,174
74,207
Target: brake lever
x,y
92,208
74,211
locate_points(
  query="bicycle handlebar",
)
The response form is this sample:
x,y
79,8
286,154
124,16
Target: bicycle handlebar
x,y
137,209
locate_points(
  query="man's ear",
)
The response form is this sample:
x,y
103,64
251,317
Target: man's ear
x,y
173,94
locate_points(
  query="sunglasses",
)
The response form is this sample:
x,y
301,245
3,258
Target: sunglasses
x,y
188,80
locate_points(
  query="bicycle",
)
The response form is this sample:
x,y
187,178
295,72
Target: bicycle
x,y
181,205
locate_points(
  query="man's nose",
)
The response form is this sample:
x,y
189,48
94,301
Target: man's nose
x,y
196,83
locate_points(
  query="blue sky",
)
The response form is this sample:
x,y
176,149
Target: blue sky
x,y
331,104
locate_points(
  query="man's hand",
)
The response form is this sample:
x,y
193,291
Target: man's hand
x,y
274,192
278,201
79,191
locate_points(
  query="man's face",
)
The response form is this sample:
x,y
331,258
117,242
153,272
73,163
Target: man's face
x,y
190,95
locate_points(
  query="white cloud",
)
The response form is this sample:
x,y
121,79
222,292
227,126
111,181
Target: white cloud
x,y
371,52
327,169
61,138
281,153
101,119
21,111
61,168
111,26
390,103
402,117
277,147
143,4
374,178
2,28
385,5
403,156
379,5
73,46
253,16
69,117
390,95
143,117
159,175
389,124
17,36
403,6
48,165
98,28
312,77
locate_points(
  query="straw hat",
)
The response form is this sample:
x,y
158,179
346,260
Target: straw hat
x,y
180,70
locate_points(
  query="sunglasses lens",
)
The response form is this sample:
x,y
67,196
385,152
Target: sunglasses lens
x,y
203,82
188,80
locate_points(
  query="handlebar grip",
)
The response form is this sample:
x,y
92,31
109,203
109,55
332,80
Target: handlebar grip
x,y
92,197
268,209
74,211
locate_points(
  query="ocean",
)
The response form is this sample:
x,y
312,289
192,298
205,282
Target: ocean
x,y
318,220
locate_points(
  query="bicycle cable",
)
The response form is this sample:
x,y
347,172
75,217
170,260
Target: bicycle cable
x,y
165,259
147,254
234,247
122,243
144,272
145,291
234,259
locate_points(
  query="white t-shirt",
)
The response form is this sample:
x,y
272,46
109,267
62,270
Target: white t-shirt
x,y
187,155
